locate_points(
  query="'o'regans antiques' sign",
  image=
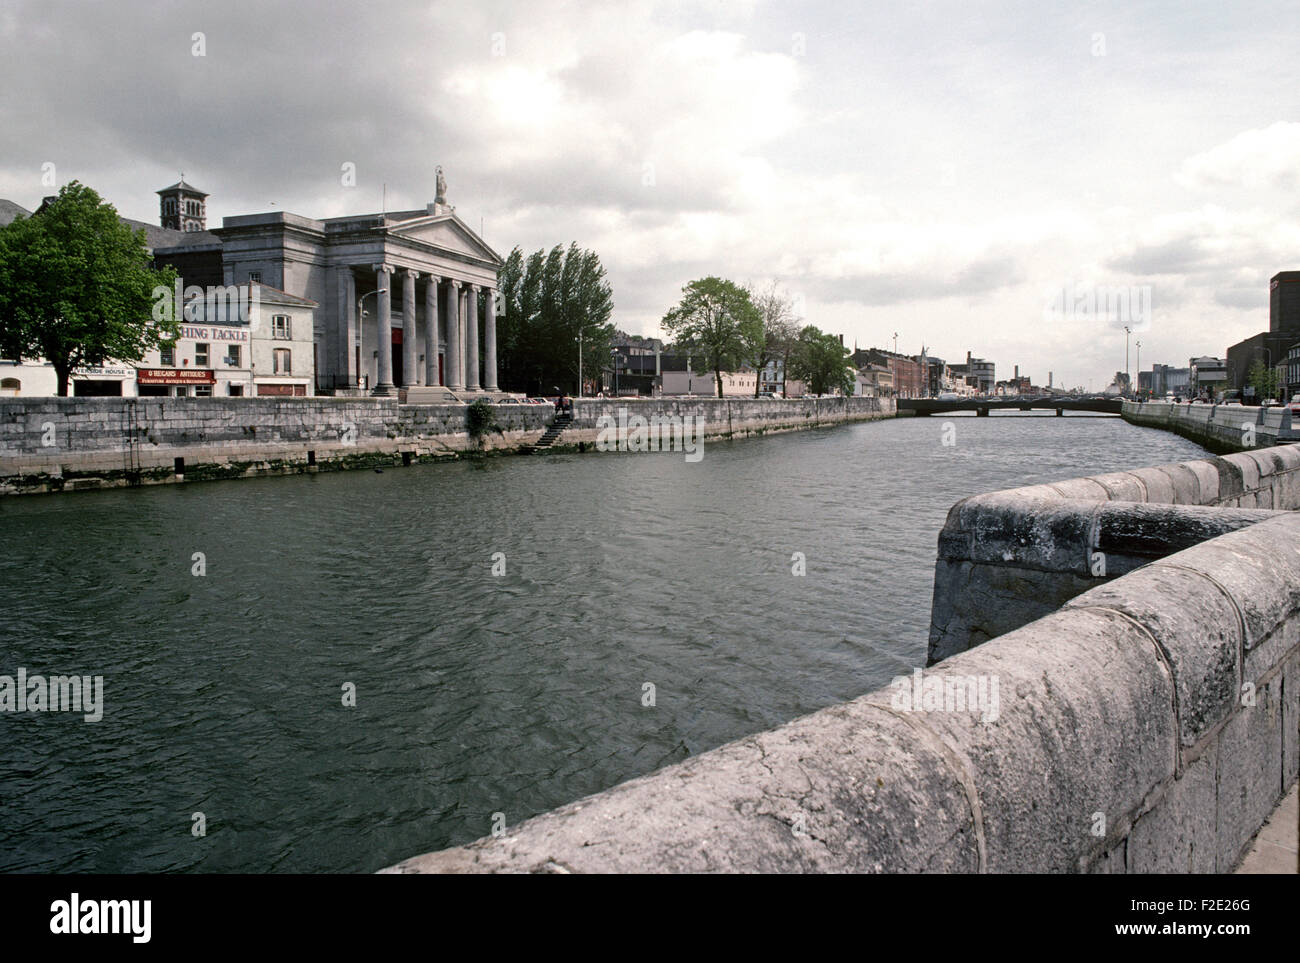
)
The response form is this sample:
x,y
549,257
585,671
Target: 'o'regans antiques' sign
x,y
176,376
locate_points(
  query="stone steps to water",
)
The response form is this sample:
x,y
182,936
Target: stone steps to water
x,y
552,434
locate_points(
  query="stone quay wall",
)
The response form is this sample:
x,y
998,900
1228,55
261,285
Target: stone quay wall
x,y
1220,428
65,444
1149,722
725,417
53,444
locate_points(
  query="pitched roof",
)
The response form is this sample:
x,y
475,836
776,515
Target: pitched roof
x,y
181,185
9,210
157,237
276,296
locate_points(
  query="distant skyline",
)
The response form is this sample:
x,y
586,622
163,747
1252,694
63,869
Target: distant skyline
x,y
937,171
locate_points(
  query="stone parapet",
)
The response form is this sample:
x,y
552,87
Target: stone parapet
x,y
1007,558
1220,428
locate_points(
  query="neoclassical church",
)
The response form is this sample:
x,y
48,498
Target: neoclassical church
x,y
406,298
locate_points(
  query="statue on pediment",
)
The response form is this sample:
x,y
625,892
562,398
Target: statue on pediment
x,y
441,196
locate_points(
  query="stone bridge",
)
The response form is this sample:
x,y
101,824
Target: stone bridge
x,y
924,407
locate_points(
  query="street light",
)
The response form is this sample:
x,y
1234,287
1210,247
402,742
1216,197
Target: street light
x,y
895,342
1127,332
361,314
1138,344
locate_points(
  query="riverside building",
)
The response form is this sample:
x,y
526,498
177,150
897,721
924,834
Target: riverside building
x,y
398,299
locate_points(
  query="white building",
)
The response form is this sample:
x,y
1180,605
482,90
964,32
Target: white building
x,y
250,340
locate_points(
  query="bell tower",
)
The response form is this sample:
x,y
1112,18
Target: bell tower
x,y
183,207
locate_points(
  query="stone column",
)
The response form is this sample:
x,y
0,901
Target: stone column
x,y
347,329
455,377
431,330
475,365
410,350
384,386
490,341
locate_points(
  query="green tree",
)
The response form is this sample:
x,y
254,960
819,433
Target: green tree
x,y
1264,380
821,360
76,287
717,322
552,300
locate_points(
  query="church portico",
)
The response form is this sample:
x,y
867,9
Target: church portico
x,y
399,294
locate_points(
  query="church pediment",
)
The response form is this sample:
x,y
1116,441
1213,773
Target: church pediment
x,y
445,231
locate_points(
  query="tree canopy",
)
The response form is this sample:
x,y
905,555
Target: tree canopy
x,y
552,301
822,362
77,288
1265,380
718,322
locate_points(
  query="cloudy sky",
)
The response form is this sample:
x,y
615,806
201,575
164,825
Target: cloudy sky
x,y
939,170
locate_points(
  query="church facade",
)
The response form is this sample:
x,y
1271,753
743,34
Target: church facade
x,y
407,299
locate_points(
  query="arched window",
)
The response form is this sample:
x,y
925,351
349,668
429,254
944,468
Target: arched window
x,y
10,385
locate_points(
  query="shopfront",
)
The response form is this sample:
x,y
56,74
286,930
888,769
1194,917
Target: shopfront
x,y
175,382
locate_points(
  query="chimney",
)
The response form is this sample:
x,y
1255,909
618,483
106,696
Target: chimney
x,y
1017,372
968,360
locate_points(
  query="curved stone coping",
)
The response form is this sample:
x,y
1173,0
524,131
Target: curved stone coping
x,y
1120,742
1006,558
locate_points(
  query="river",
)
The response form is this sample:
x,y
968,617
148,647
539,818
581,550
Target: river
x,y
476,694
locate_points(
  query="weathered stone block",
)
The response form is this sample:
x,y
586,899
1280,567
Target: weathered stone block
x,y
1250,772
1159,488
1178,835
1197,628
1086,726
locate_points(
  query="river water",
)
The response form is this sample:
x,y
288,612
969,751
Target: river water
x,y
475,694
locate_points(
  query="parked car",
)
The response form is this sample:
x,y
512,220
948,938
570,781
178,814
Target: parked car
x,y
1295,405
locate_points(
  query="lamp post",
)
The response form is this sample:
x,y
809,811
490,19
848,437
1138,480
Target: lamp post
x,y
361,314
1138,345
895,342
1127,332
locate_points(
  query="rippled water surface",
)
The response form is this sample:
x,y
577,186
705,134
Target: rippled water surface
x,y
475,694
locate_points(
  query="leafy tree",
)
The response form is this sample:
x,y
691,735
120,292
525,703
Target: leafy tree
x,y
822,361
1265,380
553,300
76,287
717,322
775,339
